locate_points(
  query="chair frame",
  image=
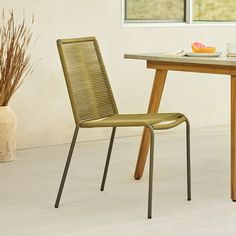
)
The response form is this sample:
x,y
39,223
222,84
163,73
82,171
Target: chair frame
x,y
151,163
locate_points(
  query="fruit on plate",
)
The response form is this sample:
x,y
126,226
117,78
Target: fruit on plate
x,y
201,48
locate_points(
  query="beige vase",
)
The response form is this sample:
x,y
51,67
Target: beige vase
x,y
8,127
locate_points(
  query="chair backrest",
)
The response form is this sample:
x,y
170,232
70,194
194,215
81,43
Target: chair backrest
x,y
86,79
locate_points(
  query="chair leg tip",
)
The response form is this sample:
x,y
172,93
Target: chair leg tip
x,y
233,200
149,217
56,206
189,199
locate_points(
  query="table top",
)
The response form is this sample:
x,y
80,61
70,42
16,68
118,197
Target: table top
x,y
222,60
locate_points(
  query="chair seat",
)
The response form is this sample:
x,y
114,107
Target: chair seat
x,y
159,121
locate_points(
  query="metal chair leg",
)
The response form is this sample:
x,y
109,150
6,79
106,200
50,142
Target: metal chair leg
x,y
150,172
108,158
66,166
188,161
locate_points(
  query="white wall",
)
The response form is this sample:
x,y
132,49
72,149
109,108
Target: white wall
x,y
42,105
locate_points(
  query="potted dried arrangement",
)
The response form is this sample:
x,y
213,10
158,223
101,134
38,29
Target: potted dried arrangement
x,y
14,67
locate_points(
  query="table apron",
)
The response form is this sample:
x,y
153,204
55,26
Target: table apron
x,y
190,67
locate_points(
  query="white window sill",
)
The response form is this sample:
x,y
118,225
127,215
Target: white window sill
x,y
179,24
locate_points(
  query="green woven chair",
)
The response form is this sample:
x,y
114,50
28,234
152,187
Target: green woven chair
x,y
93,105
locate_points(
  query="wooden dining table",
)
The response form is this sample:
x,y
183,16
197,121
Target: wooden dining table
x,y
162,63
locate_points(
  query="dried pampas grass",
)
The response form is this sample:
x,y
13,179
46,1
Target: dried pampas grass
x,y
15,62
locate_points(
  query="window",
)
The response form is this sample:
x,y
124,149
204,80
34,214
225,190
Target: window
x,y
179,11
214,10
155,10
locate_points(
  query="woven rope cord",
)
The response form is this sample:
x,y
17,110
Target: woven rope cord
x,y
90,92
87,79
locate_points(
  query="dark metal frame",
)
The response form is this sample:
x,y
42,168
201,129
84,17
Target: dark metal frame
x,y
188,160
108,158
151,162
67,166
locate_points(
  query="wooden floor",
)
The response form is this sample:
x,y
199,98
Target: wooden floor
x,y
29,185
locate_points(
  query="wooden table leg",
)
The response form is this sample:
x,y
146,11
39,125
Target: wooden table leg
x,y
233,137
154,103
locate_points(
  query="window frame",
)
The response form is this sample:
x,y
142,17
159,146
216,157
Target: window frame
x,y
156,23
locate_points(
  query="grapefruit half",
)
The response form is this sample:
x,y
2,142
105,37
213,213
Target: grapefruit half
x,y
201,48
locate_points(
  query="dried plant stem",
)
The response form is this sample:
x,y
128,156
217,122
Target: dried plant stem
x,y
14,60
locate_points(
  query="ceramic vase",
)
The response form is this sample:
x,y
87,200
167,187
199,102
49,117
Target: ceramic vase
x,y
8,129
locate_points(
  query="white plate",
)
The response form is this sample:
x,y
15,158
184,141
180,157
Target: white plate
x,y
193,54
